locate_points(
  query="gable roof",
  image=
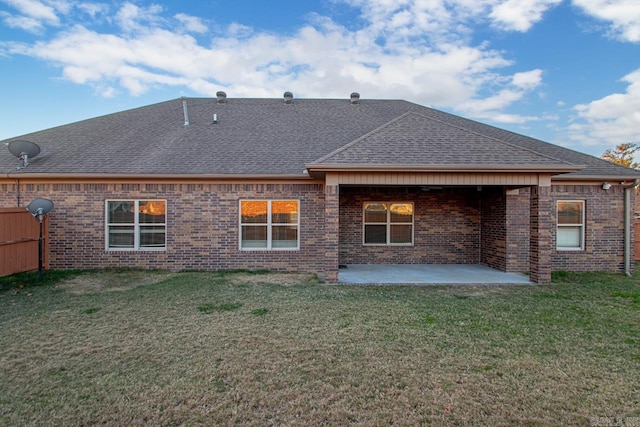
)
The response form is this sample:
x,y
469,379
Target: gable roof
x,y
270,138
415,140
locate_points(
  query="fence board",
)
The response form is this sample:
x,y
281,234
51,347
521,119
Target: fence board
x,y
19,233
636,250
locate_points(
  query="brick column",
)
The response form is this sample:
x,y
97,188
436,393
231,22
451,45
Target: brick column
x,y
541,227
331,232
517,227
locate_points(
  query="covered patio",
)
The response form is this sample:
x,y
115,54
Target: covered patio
x,y
422,274
488,215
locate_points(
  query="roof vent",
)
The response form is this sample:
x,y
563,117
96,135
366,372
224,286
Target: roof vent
x,y
288,98
222,96
355,98
185,111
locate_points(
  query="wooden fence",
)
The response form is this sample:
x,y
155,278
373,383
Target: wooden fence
x,y
636,255
19,232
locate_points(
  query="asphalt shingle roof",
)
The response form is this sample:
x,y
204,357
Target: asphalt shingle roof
x,y
415,139
270,138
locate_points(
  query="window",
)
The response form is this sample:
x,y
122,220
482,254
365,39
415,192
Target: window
x,y
136,224
570,235
388,223
269,224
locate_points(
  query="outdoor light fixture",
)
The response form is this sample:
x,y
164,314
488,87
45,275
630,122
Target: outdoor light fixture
x,y
39,208
606,186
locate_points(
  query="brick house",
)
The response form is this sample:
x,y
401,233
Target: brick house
x,y
309,184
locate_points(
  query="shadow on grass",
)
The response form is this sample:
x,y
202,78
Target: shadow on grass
x,y
32,279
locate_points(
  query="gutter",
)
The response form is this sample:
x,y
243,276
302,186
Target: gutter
x,y
610,178
627,225
97,177
449,168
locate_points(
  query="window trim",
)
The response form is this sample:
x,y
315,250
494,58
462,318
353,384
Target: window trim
x,y
269,224
582,226
136,227
388,223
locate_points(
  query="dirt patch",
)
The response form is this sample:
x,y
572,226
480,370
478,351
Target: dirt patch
x,y
283,279
101,282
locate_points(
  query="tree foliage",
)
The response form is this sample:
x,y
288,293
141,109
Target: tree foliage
x,y
622,154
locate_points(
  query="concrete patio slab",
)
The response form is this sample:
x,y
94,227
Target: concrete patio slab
x,y
460,274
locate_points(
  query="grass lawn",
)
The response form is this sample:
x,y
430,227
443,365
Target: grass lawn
x,y
194,348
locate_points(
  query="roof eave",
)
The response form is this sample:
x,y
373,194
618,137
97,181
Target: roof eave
x,y
595,177
547,169
133,176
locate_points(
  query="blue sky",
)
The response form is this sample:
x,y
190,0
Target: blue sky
x,y
564,71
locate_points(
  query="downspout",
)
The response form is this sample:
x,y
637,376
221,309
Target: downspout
x,y
8,176
18,192
627,226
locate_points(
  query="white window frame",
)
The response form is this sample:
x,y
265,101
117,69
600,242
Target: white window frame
x,y
581,226
269,224
136,226
388,224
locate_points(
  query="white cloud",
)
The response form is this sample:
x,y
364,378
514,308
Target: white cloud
x,y
527,80
491,107
324,60
32,15
108,92
443,18
192,23
93,9
520,15
611,120
412,49
133,18
36,10
623,15
62,6
22,22
433,21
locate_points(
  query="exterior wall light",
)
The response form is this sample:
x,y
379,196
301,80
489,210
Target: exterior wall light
x,y
606,186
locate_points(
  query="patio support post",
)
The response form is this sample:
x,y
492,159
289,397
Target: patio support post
x,y
517,226
331,231
541,228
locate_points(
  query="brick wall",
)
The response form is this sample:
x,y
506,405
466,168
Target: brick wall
x,y
504,228
541,226
450,226
202,225
508,247
517,225
446,226
491,227
493,230
604,229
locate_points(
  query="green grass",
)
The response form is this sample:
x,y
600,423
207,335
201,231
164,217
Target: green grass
x,y
304,353
227,306
92,310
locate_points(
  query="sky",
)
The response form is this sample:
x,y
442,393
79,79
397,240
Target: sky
x,y
564,71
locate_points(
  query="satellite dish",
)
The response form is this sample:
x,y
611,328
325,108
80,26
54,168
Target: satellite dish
x,y
40,207
24,150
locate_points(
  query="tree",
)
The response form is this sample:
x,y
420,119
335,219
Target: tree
x,y
623,155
